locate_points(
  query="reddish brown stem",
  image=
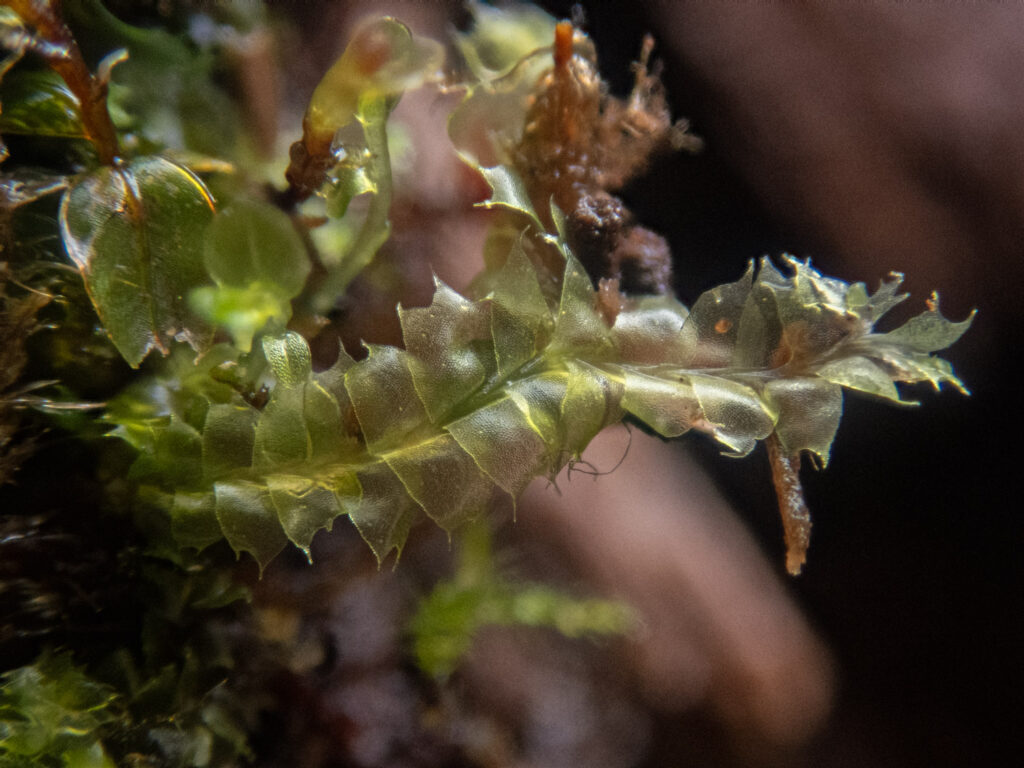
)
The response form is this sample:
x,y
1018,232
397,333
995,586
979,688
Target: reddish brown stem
x,y
63,56
796,518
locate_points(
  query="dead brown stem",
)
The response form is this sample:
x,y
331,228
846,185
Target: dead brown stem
x,y
796,518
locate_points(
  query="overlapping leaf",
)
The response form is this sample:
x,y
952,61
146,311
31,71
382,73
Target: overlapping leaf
x,y
136,234
490,393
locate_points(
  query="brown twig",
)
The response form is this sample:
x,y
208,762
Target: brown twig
x,y
796,518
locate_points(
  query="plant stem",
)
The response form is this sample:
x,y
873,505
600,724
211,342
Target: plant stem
x,y
796,518
62,55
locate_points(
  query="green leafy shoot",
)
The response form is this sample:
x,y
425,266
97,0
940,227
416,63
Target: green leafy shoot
x,y
448,619
50,714
490,393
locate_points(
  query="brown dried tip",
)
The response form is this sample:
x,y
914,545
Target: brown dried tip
x,y
796,518
579,144
563,44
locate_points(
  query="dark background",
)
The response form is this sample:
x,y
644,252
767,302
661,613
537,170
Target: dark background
x,y
907,118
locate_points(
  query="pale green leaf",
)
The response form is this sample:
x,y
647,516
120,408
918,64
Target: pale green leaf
x,y
714,320
385,399
653,331
289,358
928,332
808,410
443,479
228,438
739,416
345,182
591,402
508,191
303,506
194,520
504,443
249,520
446,359
382,59
861,374
502,36
520,318
579,328
668,405
259,263
385,512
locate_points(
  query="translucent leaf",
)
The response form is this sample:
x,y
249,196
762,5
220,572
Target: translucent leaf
x,y
759,330
501,37
194,520
443,479
242,312
346,181
540,400
668,406
135,233
520,315
929,331
714,321
579,328
385,512
445,363
249,521
739,415
289,358
382,59
504,444
375,228
508,191
861,374
302,420
591,403
884,299
304,506
228,438
259,263
808,411
385,399
654,331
